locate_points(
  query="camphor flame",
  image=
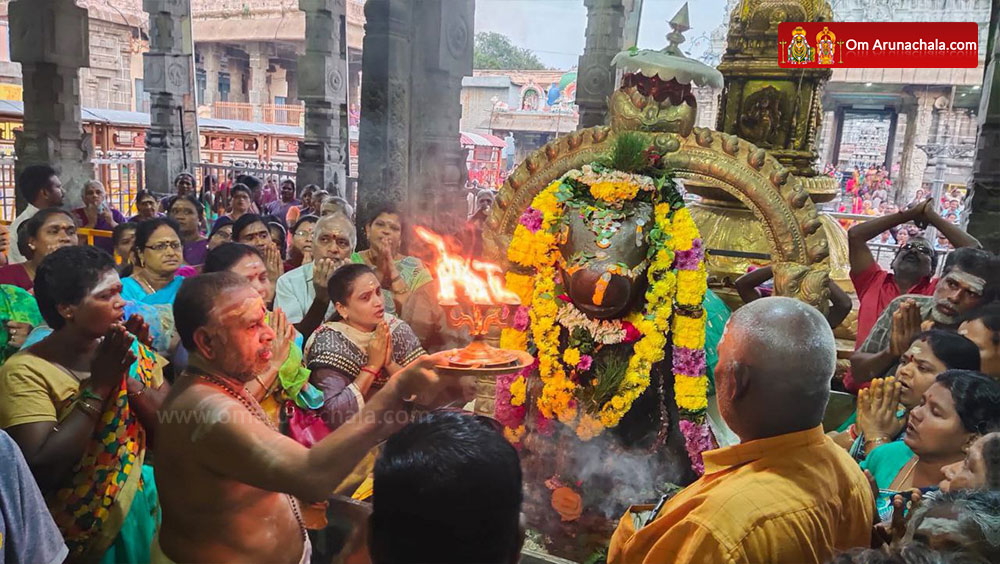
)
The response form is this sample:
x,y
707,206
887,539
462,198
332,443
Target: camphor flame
x,y
481,282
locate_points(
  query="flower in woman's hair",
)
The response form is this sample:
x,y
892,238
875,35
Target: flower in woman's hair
x,y
521,319
531,219
586,361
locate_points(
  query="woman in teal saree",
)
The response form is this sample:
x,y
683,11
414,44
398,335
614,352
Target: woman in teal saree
x,y
954,411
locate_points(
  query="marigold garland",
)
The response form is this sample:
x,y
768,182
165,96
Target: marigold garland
x,y
676,275
517,391
612,192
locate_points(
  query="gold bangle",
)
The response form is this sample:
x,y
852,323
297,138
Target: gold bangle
x,y
135,395
876,442
88,409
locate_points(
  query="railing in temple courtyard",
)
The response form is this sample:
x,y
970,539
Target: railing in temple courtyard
x,y
283,114
262,170
279,114
232,110
122,179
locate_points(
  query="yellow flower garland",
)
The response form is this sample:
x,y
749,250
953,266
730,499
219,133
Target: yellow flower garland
x,y
690,392
571,357
614,192
512,339
517,391
538,251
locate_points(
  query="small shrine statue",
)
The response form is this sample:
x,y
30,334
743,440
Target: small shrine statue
x,y
610,268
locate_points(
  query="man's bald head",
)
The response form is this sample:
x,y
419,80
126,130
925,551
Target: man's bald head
x,y
776,359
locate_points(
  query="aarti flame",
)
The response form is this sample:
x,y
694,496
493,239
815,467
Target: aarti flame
x,y
481,282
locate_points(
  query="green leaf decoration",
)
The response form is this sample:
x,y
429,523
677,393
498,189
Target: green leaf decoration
x,y
629,152
609,368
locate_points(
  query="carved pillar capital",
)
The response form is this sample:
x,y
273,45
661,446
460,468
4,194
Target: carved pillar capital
x,y
596,76
50,38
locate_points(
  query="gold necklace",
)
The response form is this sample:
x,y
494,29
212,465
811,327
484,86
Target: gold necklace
x,y
140,277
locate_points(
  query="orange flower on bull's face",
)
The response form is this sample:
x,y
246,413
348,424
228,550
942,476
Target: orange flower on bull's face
x,y
567,503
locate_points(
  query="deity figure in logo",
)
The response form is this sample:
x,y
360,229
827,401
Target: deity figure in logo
x,y
826,45
799,50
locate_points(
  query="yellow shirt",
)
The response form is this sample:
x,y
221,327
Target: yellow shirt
x,y
790,499
34,390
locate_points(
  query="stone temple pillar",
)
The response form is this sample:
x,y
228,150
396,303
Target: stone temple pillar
x,y
914,160
212,63
984,221
292,84
322,85
409,150
50,38
596,77
384,136
442,36
258,94
167,66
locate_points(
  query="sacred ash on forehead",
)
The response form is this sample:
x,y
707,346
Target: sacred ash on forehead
x,y
107,281
973,282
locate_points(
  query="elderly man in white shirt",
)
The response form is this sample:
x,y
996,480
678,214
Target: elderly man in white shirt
x,y
301,292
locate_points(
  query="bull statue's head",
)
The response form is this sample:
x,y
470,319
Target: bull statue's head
x,y
604,253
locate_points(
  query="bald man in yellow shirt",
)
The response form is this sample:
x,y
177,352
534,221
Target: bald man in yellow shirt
x,y
786,494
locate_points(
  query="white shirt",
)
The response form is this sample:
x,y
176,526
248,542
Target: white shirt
x,y
15,255
294,293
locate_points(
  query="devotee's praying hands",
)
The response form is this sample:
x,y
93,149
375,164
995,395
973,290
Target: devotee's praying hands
x,y
91,212
905,327
892,533
382,251
877,407
919,213
322,271
139,329
380,348
284,334
272,261
111,361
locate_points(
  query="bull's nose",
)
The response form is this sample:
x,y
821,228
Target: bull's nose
x,y
598,294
